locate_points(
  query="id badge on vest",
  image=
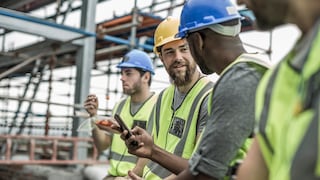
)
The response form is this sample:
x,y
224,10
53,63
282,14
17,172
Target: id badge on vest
x,y
177,126
140,123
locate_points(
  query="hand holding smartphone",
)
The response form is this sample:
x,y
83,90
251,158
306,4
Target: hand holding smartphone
x,y
123,127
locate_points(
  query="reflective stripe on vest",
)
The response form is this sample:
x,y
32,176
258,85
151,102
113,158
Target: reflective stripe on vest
x,y
120,160
117,156
155,171
306,156
120,106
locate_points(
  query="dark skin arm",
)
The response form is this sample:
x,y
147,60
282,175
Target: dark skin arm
x,y
184,175
147,149
254,166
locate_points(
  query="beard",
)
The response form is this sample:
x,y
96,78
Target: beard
x,y
272,15
265,24
182,77
131,91
199,60
202,65
204,69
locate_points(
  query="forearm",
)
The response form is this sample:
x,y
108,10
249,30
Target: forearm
x,y
101,140
173,163
138,169
186,175
254,166
171,177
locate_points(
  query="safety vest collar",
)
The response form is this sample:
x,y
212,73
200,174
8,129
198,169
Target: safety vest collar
x,y
304,47
248,57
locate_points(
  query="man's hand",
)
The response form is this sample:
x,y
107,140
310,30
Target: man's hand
x,y
91,104
107,124
133,176
145,142
122,178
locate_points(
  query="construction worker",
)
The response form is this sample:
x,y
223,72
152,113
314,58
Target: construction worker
x,y
212,30
135,109
287,142
181,110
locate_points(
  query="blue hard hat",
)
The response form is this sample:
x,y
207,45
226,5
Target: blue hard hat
x,y
137,59
199,14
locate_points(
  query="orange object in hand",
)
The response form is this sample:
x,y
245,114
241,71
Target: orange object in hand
x,y
104,123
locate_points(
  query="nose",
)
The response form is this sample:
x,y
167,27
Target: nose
x,y
178,56
122,78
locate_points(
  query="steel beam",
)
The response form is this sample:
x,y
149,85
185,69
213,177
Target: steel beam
x,y
14,20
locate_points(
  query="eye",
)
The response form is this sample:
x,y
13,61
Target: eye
x,y
128,73
184,49
169,52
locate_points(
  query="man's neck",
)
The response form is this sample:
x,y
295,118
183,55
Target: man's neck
x,y
141,97
228,59
185,88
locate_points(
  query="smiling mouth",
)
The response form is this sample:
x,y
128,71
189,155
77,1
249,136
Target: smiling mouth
x,y
179,66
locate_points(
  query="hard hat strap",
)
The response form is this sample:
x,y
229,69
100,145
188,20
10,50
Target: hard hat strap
x,y
226,30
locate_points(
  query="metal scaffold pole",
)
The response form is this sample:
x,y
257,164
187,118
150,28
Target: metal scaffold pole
x,y
84,63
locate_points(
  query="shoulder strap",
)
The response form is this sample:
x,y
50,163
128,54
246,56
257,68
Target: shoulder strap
x,y
157,111
254,58
120,106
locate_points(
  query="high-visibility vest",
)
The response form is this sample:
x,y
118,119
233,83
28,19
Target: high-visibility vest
x,y
176,131
261,66
288,113
120,160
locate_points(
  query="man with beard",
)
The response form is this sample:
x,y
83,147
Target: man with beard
x,y
212,29
135,109
288,98
180,113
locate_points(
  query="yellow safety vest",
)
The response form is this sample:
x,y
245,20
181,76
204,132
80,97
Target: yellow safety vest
x,y
288,113
176,131
120,160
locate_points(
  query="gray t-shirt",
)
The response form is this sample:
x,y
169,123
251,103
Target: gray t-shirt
x,y
231,121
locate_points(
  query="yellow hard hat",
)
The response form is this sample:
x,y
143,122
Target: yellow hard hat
x,y
166,32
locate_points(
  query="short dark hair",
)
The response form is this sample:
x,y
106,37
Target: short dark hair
x,y
142,72
159,49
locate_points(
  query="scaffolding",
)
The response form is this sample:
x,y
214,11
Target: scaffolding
x,y
90,50
47,150
60,46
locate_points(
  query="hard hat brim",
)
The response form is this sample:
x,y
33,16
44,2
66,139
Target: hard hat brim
x,y
130,65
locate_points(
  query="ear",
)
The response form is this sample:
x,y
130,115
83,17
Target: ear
x,y
146,76
197,41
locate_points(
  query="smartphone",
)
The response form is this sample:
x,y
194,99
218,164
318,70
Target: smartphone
x,y
123,127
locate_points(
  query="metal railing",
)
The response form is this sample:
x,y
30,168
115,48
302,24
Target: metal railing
x,y
46,150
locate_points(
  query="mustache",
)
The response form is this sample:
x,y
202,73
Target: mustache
x,y
178,63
